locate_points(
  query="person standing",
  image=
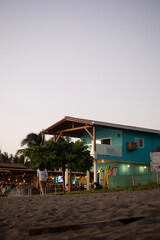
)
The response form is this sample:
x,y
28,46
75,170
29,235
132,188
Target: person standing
x,y
42,175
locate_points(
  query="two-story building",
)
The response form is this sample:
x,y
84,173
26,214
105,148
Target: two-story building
x,y
116,149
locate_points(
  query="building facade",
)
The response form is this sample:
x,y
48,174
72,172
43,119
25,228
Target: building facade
x,y
116,149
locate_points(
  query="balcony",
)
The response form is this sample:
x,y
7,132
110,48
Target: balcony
x,y
108,150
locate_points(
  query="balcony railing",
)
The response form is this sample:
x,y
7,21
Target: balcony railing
x,y
108,150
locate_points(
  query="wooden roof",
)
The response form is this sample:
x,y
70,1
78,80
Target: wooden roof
x,y
12,166
76,127
67,124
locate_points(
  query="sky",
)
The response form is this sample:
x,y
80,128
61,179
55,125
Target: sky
x,y
92,59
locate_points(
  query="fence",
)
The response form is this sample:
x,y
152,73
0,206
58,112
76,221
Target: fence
x,y
132,180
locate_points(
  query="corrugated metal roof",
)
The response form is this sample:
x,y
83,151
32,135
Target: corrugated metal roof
x,y
120,126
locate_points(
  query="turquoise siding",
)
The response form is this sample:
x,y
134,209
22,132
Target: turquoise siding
x,y
121,137
123,169
151,142
136,159
116,135
87,138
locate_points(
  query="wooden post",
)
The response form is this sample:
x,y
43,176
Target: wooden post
x,y
94,155
70,181
132,179
88,180
54,138
66,178
94,139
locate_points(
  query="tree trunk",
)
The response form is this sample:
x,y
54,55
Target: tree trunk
x,y
63,174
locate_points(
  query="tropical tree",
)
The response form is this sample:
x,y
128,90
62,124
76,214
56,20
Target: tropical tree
x,y
5,158
19,159
63,154
78,155
32,139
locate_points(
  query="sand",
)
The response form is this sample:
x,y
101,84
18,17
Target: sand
x,y
20,214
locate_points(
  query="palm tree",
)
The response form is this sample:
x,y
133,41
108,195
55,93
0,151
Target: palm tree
x,y
19,159
32,139
5,158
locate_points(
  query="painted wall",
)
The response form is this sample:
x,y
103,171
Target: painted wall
x,y
116,136
87,138
123,169
131,158
121,137
151,142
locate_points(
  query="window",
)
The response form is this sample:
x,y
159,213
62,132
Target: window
x,y
104,141
140,142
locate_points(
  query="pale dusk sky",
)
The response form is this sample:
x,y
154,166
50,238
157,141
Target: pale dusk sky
x,y
92,59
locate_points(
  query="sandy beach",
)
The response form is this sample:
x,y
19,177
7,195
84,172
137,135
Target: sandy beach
x,y
18,215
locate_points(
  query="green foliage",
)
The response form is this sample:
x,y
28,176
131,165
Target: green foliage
x,y
63,154
6,158
33,139
79,158
39,154
148,186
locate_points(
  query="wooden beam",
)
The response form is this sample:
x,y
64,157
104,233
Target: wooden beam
x,y
54,138
73,129
89,132
72,124
59,136
94,139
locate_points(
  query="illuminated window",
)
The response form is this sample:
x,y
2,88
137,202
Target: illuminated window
x,y
104,141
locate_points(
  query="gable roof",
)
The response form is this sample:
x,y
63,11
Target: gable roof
x,y
67,123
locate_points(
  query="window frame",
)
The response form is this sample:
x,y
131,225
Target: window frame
x,y
101,139
137,140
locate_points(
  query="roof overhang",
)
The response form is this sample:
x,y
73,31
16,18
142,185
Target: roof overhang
x,y
13,166
76,127
69,126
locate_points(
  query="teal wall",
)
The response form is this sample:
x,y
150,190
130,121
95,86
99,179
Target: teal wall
x,y
87,138
116,136
123,169
121,137
151,142
137,159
